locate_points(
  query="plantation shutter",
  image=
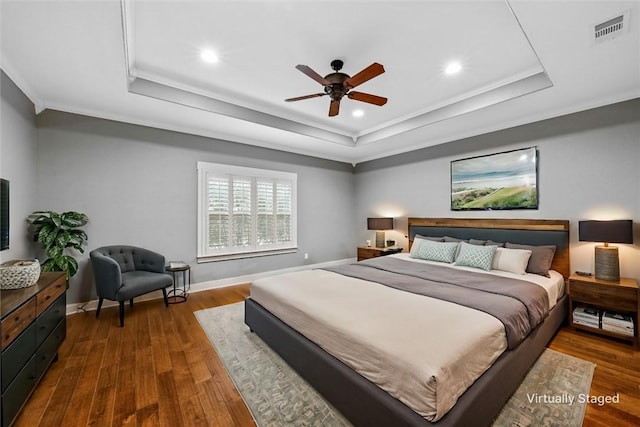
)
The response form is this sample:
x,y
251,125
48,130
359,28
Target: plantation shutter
x,y
241,219
266,215
283,212
245,213
218,212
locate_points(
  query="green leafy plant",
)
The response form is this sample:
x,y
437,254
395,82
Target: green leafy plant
x,y
57,233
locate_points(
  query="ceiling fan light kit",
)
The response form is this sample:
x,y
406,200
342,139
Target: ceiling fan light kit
x,y
338,84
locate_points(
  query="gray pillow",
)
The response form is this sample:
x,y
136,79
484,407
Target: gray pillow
x,y
453,239
492,243
433,239
540,260
477,242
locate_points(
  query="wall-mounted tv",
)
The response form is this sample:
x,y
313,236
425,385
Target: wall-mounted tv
x,y
507,180
4,214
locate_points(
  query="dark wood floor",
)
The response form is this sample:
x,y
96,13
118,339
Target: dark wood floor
x,y
160,370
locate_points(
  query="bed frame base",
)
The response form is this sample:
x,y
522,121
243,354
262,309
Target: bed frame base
x,y
365,404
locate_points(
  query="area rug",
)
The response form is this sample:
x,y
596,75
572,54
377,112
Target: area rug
x,y
277,396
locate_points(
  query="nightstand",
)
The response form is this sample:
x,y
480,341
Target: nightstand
x,y
365,252
617,296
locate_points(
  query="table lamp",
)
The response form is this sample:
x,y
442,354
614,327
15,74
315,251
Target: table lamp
x,y
380,224
617,231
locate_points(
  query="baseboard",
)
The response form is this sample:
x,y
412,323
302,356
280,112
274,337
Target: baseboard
x,y
204,286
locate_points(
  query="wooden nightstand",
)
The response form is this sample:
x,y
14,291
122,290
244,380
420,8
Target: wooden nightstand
x,y
365,252
620,296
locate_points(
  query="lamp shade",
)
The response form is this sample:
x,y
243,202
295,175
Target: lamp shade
x,y
617,231
379,223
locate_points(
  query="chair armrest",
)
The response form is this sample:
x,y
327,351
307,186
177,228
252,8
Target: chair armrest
x,y
107,274
147,260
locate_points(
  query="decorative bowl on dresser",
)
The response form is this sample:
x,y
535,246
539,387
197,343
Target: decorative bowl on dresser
x,y
18,274
33,327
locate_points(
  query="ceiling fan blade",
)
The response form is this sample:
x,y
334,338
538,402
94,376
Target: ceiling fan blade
x,y
334,108
368,73
366,97
315,76
300,98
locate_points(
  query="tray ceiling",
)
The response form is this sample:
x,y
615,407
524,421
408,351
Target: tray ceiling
x,y
139,62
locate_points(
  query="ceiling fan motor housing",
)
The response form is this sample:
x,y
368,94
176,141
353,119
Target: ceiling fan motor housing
x,y
337,89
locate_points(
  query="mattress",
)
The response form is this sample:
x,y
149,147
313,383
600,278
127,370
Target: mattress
x,y
386,334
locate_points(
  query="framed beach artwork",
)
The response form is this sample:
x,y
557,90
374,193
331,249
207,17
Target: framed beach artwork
x,y
507,180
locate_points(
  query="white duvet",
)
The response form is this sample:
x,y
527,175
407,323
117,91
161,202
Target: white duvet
x,y
423,351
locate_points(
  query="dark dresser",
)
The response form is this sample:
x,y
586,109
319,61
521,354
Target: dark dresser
x,y
33,327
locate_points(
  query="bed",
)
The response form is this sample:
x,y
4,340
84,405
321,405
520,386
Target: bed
x,y
372,399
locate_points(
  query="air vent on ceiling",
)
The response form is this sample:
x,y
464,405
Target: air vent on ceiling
x,y
611,28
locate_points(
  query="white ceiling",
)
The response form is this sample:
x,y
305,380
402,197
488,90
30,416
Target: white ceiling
x,y
138,62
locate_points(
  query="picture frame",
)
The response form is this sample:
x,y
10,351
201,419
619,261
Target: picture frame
x,y
499,181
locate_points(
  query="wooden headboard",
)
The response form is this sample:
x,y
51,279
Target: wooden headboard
x,y
521,231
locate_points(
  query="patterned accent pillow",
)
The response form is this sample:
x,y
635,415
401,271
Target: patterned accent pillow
x,y
415,248
475,256
436,251
416,243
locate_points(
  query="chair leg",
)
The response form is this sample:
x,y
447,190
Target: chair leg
x,y
99,306
166,300
121,314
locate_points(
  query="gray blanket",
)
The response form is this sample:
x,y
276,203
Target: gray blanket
x,y
518,304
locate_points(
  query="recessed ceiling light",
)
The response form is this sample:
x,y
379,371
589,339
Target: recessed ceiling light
x,y
452,68
358,113
208,55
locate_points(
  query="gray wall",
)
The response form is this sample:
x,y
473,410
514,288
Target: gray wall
x,y
138,184
138,187
18,165
588,169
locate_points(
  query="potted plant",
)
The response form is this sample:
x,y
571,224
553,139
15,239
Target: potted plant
x,y
58,232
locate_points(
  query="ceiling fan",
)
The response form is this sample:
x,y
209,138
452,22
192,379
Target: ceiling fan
x,y
338,84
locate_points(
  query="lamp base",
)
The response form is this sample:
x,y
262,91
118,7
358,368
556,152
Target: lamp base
x,y
607,263
379,239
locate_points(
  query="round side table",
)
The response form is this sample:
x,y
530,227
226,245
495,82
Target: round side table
x,y
181,288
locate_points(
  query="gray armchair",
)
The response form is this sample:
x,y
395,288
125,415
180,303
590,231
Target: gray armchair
x,y
124,272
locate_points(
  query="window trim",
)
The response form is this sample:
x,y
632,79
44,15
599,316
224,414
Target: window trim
x,y
204,169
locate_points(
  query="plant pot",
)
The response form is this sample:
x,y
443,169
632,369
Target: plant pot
x,y
17,274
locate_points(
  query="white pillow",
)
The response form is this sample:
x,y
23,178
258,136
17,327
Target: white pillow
x,y
511,260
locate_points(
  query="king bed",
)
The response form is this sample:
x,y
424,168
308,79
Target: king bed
x,y
442,335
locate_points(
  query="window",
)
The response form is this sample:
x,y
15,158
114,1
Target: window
x,y
245,211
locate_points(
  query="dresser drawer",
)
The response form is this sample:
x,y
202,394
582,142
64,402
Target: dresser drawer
x,y
614,297
17,321
48,321
18,391
49,295
49,348
16,353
